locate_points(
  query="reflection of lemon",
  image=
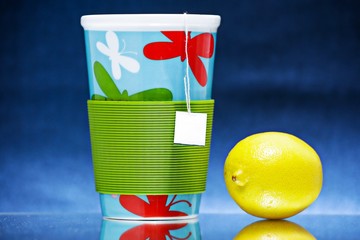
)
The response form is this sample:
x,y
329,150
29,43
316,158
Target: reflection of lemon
x,y
273,175
274,230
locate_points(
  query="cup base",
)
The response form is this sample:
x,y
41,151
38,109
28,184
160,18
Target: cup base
x,y
150,207
151,218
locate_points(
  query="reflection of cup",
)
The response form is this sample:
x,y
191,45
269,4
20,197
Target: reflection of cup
x,y
126,230
134,59
274,229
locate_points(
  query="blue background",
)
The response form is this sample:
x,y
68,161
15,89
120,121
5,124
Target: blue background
x,y
289,66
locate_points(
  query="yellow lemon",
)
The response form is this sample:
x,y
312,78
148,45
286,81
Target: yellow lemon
x,y
274,230
273,175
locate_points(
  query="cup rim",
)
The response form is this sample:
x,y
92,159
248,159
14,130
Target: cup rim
x,y
150,22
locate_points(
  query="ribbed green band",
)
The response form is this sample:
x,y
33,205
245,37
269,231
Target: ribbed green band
x,y
133,148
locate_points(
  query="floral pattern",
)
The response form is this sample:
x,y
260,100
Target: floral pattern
x,y
200,46
155,207
117,58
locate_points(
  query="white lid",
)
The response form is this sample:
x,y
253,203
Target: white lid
x,y
151,22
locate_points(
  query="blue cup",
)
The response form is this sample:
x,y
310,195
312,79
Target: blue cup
x,y
145,57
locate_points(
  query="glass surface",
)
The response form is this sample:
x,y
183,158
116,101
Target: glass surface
x,y
209,226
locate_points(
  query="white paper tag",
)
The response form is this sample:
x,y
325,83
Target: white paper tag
x,y
190,128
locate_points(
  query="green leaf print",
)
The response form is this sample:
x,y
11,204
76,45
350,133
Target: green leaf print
x,y
109,88
105,82
155,94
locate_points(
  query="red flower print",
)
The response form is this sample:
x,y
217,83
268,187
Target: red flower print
x,y
155,207
153,232
201,45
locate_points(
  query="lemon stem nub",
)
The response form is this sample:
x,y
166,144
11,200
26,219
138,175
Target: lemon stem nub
x,y
236,178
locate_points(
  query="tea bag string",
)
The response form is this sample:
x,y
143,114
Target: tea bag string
x,y
186,77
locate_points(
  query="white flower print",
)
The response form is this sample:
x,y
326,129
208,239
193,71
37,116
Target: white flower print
x,y
117,58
